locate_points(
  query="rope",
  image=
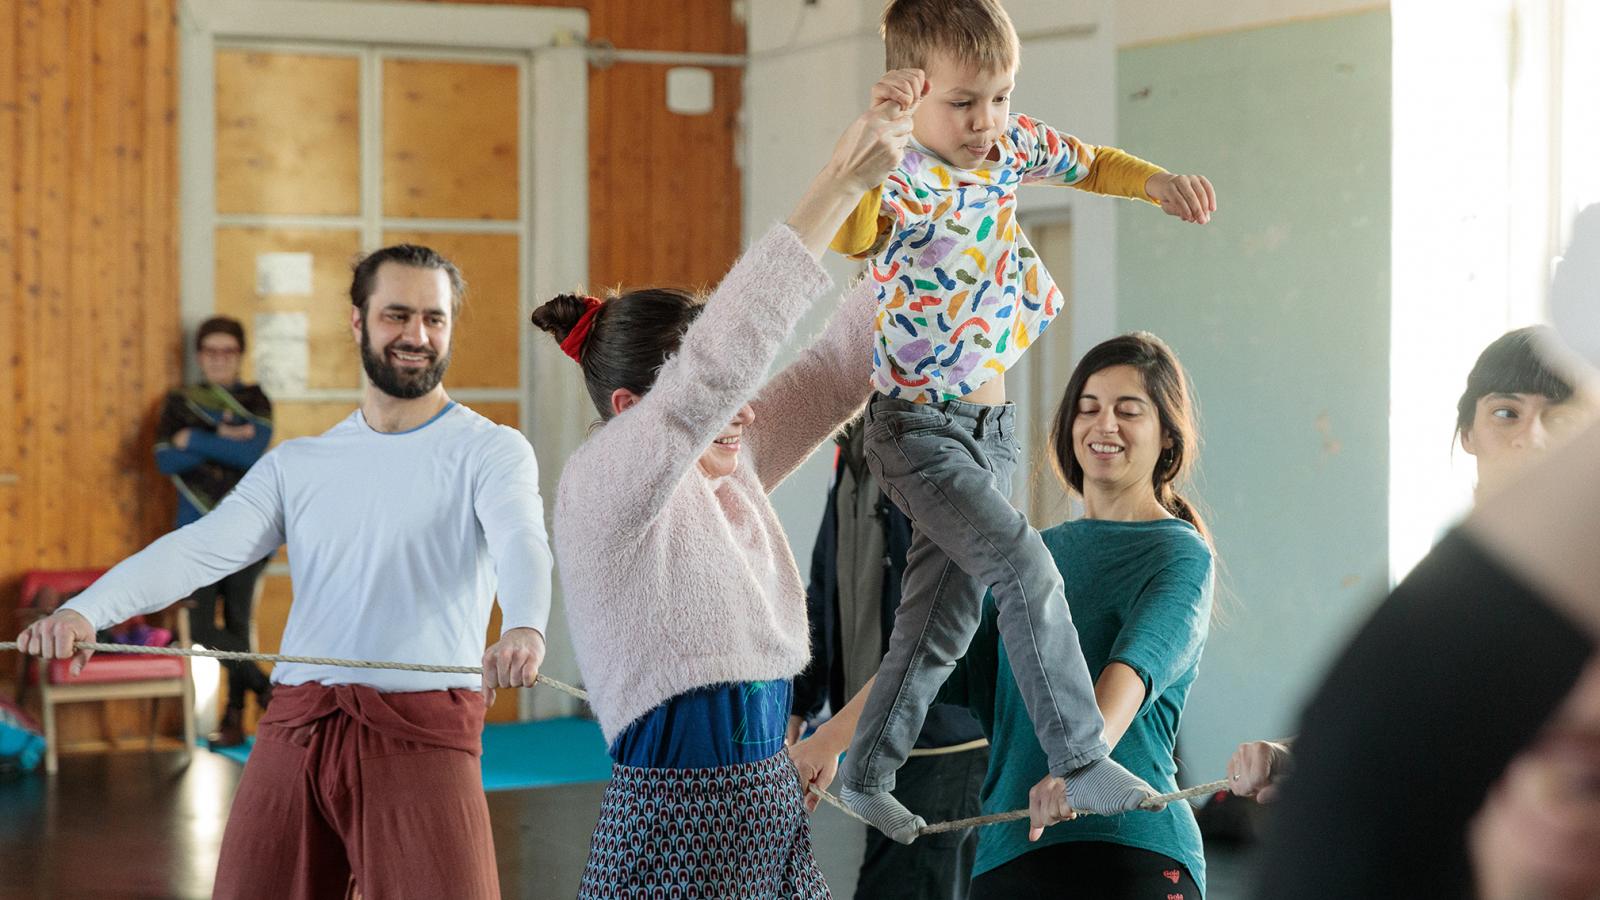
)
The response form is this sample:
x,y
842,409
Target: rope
x,y
945,751
563,687
1199,790
935,828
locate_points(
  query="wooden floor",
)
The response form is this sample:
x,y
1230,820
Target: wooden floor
x,y
150,824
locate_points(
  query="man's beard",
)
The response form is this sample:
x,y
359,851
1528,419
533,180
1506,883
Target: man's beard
x,y
400,383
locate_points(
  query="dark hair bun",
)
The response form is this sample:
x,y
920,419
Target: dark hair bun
x,y
559,315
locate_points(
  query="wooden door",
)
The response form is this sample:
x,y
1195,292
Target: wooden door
x,y
326,152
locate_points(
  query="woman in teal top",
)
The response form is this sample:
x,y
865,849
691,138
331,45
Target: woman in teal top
x,y
1140,593
1138,571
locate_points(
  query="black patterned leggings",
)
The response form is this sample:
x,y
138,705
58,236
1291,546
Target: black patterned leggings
x,y
1095,869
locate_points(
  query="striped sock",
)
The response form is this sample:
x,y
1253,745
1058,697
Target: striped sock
x,y
1105,787
885,813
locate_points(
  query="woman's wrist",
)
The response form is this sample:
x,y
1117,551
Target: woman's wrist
x,y
823,209
832,737
844,183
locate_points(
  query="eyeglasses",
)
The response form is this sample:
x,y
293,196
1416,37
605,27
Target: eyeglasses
x,y
220,352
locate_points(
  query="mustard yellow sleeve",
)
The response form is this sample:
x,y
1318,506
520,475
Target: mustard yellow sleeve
x,y
1116,173
863,231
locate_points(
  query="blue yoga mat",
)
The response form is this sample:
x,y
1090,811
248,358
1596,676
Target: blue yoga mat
x,y
526,754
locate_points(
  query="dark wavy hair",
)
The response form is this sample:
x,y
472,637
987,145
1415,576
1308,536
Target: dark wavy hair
x,y
364,277
630,339
1168,386
1511,365
219,325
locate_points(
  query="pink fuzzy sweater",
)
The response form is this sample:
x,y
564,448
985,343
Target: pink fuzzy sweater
x,y
675,581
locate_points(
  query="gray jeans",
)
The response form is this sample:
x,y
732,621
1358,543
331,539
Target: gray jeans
x,y
948,467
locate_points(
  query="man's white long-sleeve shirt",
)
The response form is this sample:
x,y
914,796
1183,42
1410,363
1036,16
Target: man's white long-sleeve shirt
x,y
398,545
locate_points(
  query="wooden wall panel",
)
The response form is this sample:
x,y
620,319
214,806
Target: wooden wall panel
x,y
333,361
288,134
485,347
664,198
272,613
451,140
664,190
89,308
292,419
499,413
505,702
10,362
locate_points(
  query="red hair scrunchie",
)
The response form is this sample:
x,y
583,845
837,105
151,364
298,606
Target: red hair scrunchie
x,y
579,335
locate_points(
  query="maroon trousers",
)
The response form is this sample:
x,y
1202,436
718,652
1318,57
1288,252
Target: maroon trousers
x,y
345,782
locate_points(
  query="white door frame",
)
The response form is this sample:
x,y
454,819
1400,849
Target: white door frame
x,y
555,199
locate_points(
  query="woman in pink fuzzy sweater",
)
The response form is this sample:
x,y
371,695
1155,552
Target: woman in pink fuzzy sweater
x,y
686,608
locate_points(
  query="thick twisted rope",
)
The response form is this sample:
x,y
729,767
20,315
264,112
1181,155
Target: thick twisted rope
x,y
563,687
1154,803
581,694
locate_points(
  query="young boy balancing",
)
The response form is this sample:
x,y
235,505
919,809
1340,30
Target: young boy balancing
x,y
961,295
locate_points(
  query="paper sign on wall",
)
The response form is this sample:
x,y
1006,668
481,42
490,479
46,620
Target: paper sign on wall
x,y
282,352
283,274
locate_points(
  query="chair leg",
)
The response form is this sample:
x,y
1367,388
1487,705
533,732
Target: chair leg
x,y
188,709
51,740
22,680
108,733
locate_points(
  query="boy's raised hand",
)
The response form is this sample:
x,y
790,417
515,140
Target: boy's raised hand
x,y
904,87
1189,197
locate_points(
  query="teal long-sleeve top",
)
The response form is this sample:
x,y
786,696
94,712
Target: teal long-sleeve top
x,y
1140,594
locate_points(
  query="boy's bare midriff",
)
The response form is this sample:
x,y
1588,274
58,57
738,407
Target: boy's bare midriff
x,y
990,393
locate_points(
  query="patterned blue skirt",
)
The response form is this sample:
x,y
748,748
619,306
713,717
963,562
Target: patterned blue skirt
x,y
726,832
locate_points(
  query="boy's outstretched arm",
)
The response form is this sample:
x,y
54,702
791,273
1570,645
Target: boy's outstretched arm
x,y
1056,157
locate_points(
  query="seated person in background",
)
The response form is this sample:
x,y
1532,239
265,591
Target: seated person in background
x,y
210,434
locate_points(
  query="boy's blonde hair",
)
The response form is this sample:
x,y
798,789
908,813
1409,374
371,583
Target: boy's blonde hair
x,y
972,32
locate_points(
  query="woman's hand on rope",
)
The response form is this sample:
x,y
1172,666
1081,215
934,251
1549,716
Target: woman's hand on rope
x,y
513,661
817,760
1047,805
1255,769
54,637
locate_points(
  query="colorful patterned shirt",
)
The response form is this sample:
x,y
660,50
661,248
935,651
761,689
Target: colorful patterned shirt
x,y
961,294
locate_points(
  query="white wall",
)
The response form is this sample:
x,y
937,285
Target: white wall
x,y
1279,310
1519,78
1147,21
811,68
1452,282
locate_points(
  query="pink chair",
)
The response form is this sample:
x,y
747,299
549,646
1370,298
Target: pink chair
x,y
107,676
